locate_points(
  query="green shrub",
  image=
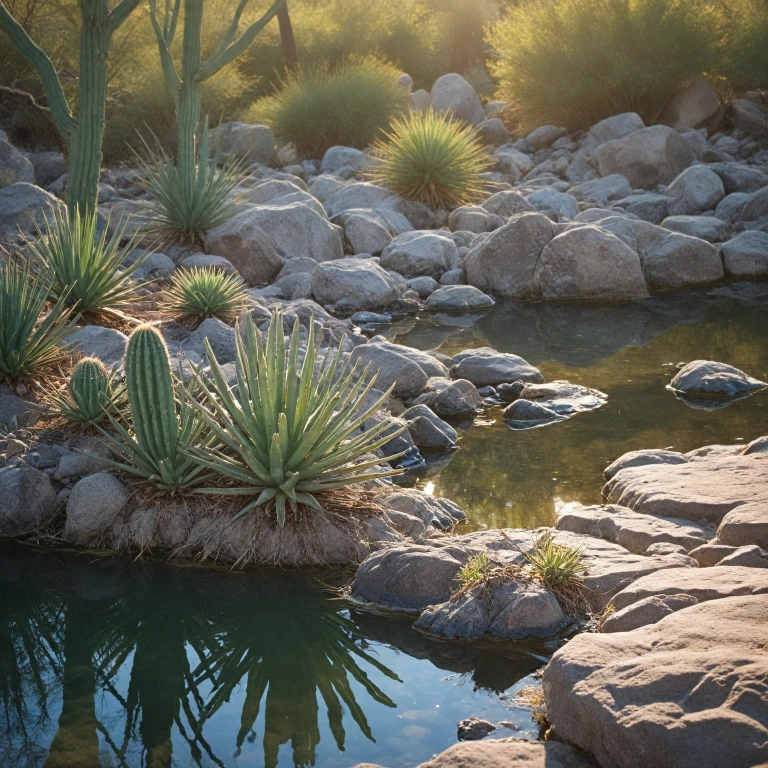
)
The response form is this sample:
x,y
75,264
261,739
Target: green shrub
x,y
91,394
179,210
573,63
26,346
474,571
86,267
289,433
433,159
555,564
324,106
745,45
203,292
162,419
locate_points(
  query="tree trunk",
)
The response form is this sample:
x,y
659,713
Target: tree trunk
x,y
287,39
188,116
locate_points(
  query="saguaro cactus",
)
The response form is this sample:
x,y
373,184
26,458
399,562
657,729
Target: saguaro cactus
x,y
185,87
82,134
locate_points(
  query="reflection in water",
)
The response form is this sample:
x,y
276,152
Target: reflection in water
x,y
142,664
504,477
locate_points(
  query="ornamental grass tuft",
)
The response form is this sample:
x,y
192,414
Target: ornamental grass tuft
x,y
202,292
433,159
556,565
288,432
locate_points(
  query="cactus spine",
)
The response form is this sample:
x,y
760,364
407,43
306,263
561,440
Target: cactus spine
x,y
82,135
151,395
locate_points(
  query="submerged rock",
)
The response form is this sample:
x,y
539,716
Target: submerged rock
x,y
485,366
554,401
707,377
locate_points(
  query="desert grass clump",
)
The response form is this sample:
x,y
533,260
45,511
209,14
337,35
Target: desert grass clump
x,y
433,159
31,342
289,433
86,266
573,63
91,395
477,569
321,106
197,294
555,565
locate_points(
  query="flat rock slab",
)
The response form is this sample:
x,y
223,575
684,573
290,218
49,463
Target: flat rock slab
x,y
631,530
508,753
690,691
702,490
747,524
704,584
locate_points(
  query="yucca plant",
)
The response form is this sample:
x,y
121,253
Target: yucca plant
x,y
188,201
431,158
162,419
288,433
28,347
92,393
86,267
555,564
203,292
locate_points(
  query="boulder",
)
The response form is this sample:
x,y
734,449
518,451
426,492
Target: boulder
x,y
507,753
493,132
201,260
22,206
353,284
525,412
14,167
646,157
505,261
559,206
245,245
695,190
108,344
702,490
424,286
392,367
452,398
672,260
26,499
645,612
92,507
707,377
747,524
560,397
711,553
428,430
249,143
473,218
49,166
420,253
708,228
452,93
740,178
544,136
16,412
694,104
485,366
750,556
433,511
267,190
218,334
339,157
589,263
501,608
748,117
295,286
754,215
746,255
642,458
365,234
655,696
357,195
458,298
611,128
602,191
84,458
507,203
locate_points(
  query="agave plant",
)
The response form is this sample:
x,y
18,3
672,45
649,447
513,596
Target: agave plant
x,y
184,204
26,346
86,266
162,419
431,158
92,393
287,433
203,292
555,564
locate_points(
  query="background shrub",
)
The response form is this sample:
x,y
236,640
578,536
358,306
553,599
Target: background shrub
x,y
573,63
744,46
323,106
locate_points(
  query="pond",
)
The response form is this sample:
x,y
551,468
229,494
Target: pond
x,y
107,662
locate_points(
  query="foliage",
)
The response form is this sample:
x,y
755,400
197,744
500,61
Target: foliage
x,y
86,266
26,346
745,45
162,418
92,393
555,564
287,432
573,63
203,292
433,159
322,106
183,206
475,570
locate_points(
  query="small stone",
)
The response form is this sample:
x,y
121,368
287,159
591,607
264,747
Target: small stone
x,y
473,728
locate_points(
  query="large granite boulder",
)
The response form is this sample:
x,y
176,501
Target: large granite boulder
x,y
353,284
690,691
612,128
14,167
22,207
108,344
26,499
746,255
452,93
695,190
92,506
747,524
249,143
420,253
694,104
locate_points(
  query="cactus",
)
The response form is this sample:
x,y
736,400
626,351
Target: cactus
x,y
82,135
92,393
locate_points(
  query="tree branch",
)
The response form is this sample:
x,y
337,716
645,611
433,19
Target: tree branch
x,y
121,13
164,38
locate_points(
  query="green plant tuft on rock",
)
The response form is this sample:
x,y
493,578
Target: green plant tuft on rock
x,y
203,292
321,106
289,433
474,571
86,267
31,341
91,394
555,564
432,159
162,419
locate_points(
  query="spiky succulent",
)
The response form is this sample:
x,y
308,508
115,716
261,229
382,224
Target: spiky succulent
x,y
162,419
85,266
289,432
431,158
554,563
203,292
27,346
92,393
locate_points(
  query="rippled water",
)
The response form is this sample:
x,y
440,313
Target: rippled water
x,y
105,662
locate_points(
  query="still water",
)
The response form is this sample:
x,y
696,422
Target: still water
x,y
106,662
